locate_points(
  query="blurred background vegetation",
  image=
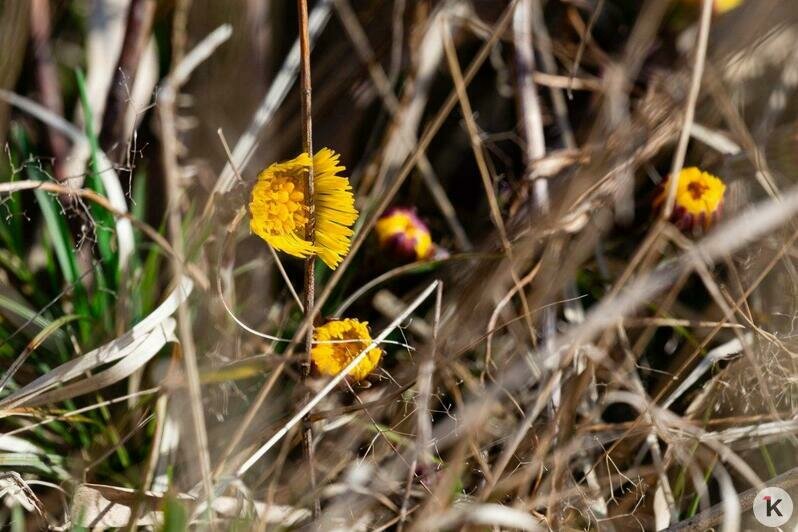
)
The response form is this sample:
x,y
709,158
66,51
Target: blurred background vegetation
x,y
99,425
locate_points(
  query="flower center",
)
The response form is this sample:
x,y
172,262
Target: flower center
x,y
350,349
283,206
697,189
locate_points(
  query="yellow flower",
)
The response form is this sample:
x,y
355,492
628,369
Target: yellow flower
x,y
279,214
403,234
699,199
331,358
722,6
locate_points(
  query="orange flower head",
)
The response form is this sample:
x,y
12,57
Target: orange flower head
x,y
403,235
699,199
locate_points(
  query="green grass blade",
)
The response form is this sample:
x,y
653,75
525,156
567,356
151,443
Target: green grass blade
x,y
103,220
37,324
60,240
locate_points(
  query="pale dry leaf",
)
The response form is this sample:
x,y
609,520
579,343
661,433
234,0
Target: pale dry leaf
x,y
141,336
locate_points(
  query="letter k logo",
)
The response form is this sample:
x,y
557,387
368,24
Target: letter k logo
x,y
772,507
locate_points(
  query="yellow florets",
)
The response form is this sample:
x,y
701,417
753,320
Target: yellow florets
x,y
699,198
279,213
331,355
278,205
699,192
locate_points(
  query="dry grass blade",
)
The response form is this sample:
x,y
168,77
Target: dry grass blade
x,y
77,412
487,181
37,340
166,101
130,359
488,515
13,486
530,105
141,336
721,352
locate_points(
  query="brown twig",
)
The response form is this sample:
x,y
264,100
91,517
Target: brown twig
x,y
310,229
47,80
585,39
139,24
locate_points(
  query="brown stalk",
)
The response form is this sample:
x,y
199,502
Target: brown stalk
x,y
47,80
310,229
139,24
169,152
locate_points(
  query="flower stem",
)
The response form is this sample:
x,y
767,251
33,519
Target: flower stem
x,y
309,289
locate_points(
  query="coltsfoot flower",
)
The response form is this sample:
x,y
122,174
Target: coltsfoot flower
x,y
699,199
722,6
279,213
331,358
402,233
719,6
